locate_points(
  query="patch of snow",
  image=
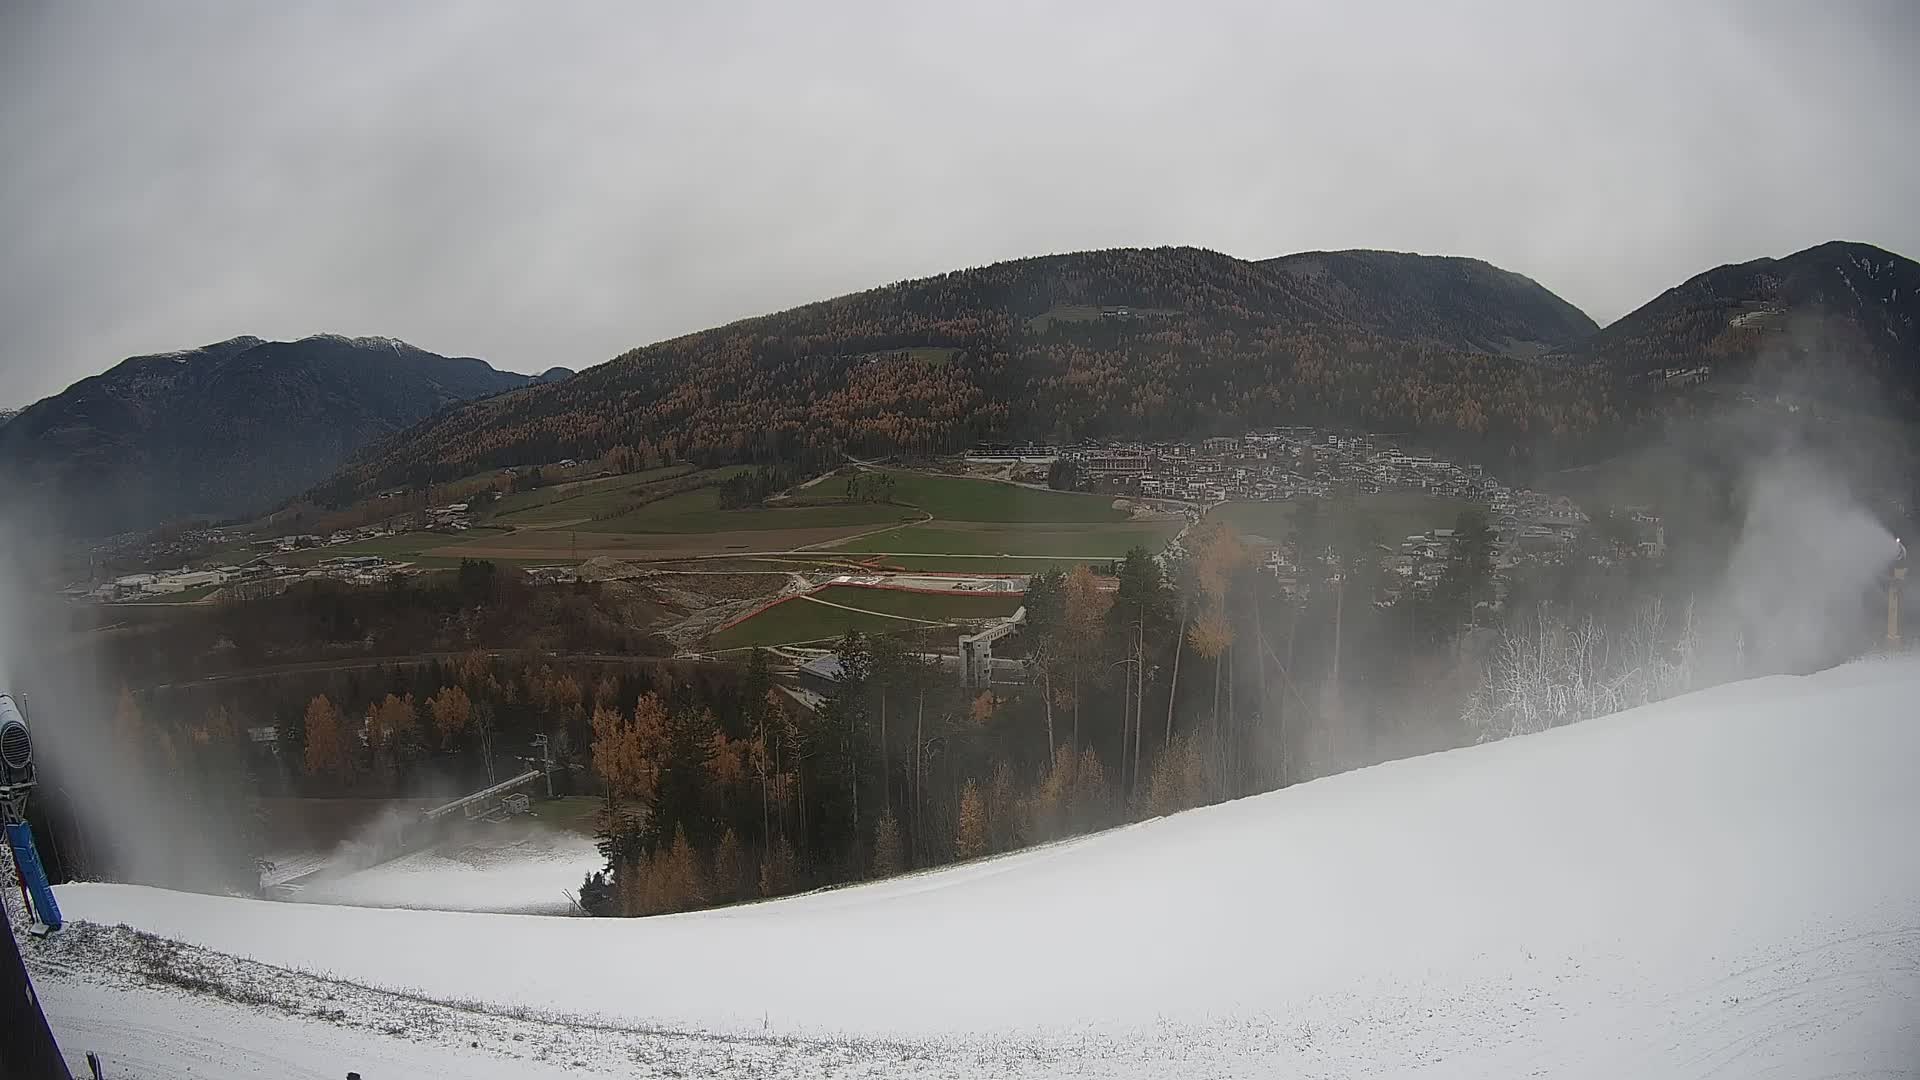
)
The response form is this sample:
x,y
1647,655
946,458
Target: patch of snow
x,y
533,872
88,958
144,1033
1722,883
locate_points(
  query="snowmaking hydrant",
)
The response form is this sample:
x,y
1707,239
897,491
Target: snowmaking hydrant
x,y
16,783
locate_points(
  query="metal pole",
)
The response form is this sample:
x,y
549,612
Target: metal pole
x,y
546,762
1893,593
20,876
1893,607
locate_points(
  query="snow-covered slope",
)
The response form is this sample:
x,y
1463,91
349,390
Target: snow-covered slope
x,y
1724,882
530,871
141,1035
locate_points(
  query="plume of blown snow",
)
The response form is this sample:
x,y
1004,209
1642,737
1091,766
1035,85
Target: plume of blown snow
x,y
1808,558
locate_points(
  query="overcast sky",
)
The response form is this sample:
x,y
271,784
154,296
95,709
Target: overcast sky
x,y
543,184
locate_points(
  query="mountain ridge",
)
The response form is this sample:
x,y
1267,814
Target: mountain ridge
x,y
1121,341
1546,321
227,428
1841,310
1118,343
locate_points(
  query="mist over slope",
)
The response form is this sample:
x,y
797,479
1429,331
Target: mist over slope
x,y
226,429
1722,880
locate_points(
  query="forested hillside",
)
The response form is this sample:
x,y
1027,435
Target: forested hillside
x,y
1840,318
1462,304
1129,342
225,429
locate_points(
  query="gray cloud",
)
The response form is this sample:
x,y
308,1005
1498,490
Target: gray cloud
x,y
540,186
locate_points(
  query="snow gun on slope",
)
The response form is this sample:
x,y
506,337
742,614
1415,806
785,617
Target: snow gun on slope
x,y
16,783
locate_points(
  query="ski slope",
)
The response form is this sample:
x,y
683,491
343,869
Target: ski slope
x,y
1724,884
141,1035
527,871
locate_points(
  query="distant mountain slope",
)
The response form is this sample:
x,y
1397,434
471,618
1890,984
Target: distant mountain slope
x,y
1462,304
1124,342
226,429
1841,312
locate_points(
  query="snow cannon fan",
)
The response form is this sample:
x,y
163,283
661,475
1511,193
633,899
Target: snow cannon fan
x,y
16,760
16,783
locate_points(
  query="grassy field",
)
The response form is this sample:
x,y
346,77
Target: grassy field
x,y
581,499
452,562
760,564
566,543
572,813
960,498
950,498
929,606
978,564
1389,515
970,517
1085,542
402,546
227,555
447,549
700,512
798,620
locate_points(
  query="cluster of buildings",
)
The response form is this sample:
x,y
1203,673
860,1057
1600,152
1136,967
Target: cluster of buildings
x,y
160,583
248,580
161,547
1284,463
450,519
1310,463
260,574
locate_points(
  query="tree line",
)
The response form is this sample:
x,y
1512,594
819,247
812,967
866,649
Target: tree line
x,y
1156,689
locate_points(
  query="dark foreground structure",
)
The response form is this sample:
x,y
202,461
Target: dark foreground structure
x,y
27,1049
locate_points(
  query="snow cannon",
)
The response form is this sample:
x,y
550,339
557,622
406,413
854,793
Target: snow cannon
x,y
16,746
16,783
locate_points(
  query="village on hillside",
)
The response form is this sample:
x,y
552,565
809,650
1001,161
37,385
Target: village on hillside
x,y
1287,465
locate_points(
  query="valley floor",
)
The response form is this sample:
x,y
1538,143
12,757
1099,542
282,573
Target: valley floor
x,y
1720,885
